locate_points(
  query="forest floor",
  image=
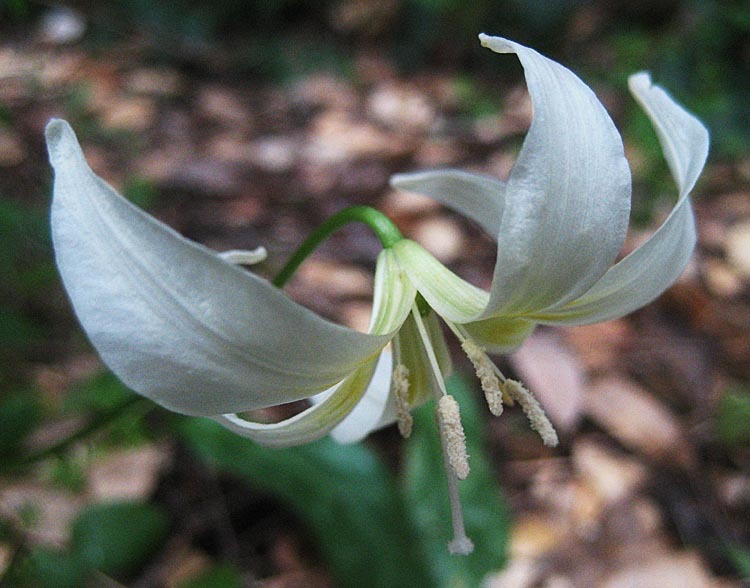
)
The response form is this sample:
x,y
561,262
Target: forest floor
x,y
650,487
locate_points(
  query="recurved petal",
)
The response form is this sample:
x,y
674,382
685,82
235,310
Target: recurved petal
x,y
655,265
500,334
353,408
172,319
480,198
567,199
452,297
413,354
375,409
312,423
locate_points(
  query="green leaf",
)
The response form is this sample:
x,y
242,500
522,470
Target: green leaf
x,y
740,557
118,538
485,513
101,392
733,418
345,495
20,413
48,568
221,575
17,331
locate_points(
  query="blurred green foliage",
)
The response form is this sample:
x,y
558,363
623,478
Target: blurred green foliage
x,y
361,518
700,55
15,10
485,513
20,414
344,494
696,48
222,575
27,270
740,557
114,539
733,416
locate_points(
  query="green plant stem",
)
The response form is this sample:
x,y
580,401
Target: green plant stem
x,y
376,220
96,423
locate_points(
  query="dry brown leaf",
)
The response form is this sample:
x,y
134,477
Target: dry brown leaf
x,y
401,107
130,474
521,572
738,247
599,346
44,514
441,236
612,477
534,535
337,137
335,279
635,418
677,570
554,375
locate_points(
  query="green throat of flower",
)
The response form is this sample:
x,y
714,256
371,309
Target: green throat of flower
x,y
420,362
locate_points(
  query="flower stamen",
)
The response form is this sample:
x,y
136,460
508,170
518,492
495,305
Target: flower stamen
x,y
533,411
400,388
455,438
244,257
488,379
487,372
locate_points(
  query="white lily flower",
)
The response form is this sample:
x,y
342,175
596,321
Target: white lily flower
x,y
560,220
186,327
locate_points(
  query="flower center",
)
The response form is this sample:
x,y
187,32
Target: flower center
x,y
497,390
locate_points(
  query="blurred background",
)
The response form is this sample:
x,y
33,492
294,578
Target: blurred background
x,y
248,123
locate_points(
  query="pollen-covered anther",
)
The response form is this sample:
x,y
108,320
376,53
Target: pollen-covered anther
x,y
486,374
533,411
455,439
401,396
245,257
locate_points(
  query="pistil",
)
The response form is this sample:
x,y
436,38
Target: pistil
x,y
452,442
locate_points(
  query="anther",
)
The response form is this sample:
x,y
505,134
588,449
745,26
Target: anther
x,y
533,411
401,396
244,257
455,439
486,373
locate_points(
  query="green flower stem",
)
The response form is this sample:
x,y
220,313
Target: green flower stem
x,y
97,423
376,220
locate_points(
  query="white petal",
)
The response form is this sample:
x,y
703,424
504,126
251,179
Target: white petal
x,y
375,410
422,383
452,297
567,200
173,320
344,404
500,334
655,265
312,423
377,407
481,198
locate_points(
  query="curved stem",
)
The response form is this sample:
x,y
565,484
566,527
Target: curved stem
x,y
96,423
376,220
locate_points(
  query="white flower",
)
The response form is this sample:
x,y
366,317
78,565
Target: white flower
x,y
186,327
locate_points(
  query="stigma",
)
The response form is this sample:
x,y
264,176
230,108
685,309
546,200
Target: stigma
x,y
498,391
